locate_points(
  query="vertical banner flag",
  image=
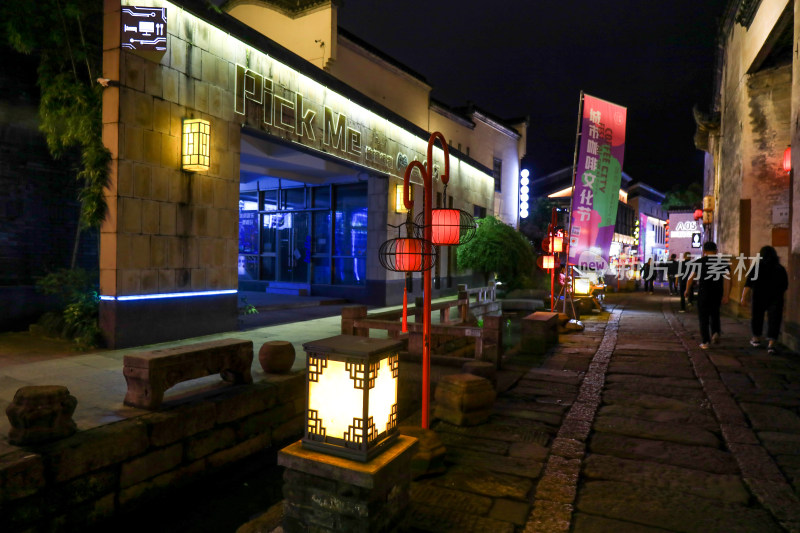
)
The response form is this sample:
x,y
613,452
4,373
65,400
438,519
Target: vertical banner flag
x,y
598,174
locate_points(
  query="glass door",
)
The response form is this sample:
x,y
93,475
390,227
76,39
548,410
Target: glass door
x,y
293,247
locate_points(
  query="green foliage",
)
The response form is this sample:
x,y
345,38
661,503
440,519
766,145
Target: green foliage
x,y
76,290
540,214
688,197
498,248
66,38
248,309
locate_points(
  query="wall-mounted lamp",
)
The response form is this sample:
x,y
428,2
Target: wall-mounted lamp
x,y
351,395
399,206
787,159
196,143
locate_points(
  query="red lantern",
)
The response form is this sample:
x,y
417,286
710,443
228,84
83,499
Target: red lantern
x,y
698,214
548,262
446,226
558,244
787,159
408,255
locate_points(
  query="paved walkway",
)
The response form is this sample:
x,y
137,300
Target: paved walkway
x,y
630,427
625,427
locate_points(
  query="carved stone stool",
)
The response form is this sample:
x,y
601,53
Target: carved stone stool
x,y
40,413
464,399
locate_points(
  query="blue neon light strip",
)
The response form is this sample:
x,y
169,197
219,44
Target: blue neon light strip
x,y
166,295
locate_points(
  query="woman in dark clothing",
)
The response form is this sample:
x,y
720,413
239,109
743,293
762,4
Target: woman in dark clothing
x,y
767,282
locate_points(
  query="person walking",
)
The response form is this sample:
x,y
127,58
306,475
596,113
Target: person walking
x,y
713,286
767,282
683,277
648,273
672,274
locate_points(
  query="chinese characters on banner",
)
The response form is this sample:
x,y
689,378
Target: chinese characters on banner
x,y
597,181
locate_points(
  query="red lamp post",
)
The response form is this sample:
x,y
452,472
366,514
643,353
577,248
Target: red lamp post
x,y
427,181
438,227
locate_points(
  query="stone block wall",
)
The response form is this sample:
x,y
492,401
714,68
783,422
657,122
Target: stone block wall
x,y
766,183
169,230
74,482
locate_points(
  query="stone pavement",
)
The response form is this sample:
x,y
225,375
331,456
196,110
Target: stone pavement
x,y
629,427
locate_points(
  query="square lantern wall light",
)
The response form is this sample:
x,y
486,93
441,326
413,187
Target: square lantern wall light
x,y
351,394
399,206
196,145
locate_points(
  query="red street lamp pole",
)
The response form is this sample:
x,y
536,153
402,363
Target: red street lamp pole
x,y
427,181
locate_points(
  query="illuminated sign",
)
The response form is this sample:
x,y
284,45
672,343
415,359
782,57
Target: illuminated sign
x,y
524,193
144,28
296,108
684,232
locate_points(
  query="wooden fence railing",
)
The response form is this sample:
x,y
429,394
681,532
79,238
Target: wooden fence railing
x,y
477,302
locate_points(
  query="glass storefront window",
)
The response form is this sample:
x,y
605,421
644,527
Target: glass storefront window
x,y
322,232
248,232
248,267
270,200
286,241
268,267
293,199
322,270
321,197
248,201
350,238
269,228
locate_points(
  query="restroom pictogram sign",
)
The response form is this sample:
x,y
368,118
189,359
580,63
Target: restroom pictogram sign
x,y
144,28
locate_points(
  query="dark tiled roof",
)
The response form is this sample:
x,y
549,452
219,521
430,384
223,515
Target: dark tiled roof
x,y
379,53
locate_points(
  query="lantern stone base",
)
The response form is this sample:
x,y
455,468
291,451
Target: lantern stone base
x,y
429,457
327,493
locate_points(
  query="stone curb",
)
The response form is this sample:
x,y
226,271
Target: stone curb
x,y
554,499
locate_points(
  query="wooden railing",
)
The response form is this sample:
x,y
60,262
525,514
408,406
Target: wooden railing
x,y
478,302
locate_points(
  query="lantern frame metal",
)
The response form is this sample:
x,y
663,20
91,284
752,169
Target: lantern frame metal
x,y
387,254
362,358
467,227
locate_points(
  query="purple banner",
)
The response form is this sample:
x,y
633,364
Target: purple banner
x,y
598,174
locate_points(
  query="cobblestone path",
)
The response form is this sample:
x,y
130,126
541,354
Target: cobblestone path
x,y
629,427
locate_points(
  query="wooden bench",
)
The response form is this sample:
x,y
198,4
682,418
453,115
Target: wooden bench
x,y
539,331
150,374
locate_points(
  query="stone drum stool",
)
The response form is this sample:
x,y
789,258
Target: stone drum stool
x,y
276,357
40,413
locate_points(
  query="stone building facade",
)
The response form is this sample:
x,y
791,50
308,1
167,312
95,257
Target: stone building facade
x,y
750,200
306,155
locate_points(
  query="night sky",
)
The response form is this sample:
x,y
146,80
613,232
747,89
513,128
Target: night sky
x,y
520,57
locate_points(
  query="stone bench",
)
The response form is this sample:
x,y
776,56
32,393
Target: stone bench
x,y
150,374
539,331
